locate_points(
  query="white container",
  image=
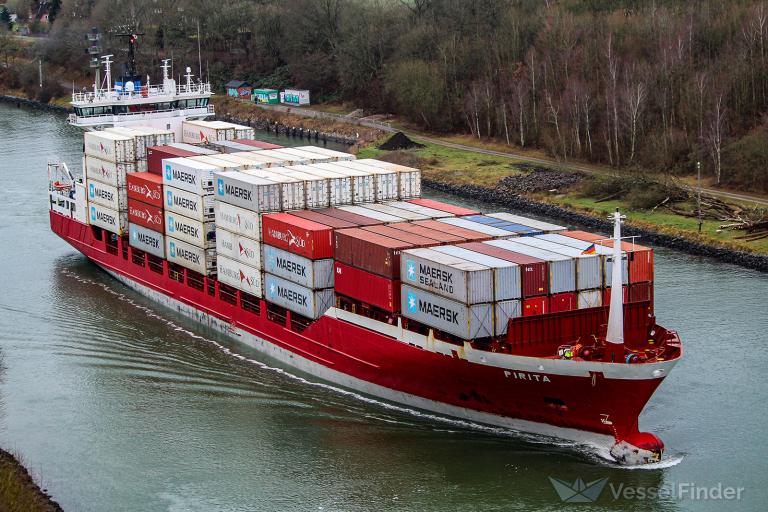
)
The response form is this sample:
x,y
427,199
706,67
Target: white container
x,y
237,220
238,275
504,311
292,194
562,269
606,253
363,182
189,174
546,227
589,267
258,160
373,214
232,159
240,131
107,195
335,156
299,299
590,299
238,247
229,146
316,188
339,186
465,322
106,218
314,274
285,158
424,210
476,226
385,181
506,275
143,138
218,162
110,146
248,191
147,240
200,150
409,178
199,234
309,156
190,256
397,212
196,132
188,204
446,275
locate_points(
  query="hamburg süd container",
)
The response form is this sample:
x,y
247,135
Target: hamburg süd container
x,y
189,174
562,269
447,276
110,146
334,156
238,247
430,213
546,227
534,273
190,256
239,275
408,178
535,306
292,192
504,311
589,267
145,187
296,298
200,234
147,215
366,287
107,172
445,207
247,191
605,253
196,132
590,299
300,236
147,240
640,258
188,204
314,274
369,251
506,275
106,218
156,155
237,220
107,195
566,301
476,226
465,322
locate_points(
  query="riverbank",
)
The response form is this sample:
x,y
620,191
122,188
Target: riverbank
x,y
26,102
18,491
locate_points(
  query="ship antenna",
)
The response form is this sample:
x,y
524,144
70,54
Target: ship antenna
x,y
615,334
107,70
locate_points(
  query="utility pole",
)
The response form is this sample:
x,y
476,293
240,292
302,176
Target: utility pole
x,y
199,55
40,71
698,193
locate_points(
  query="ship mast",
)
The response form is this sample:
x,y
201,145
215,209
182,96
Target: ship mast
x,y
615,334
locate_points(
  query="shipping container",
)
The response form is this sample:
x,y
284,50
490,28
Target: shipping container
x,y
408,178
403,236
247,191
300,236
241,131
546,227
189,256
234,159
238,247
607,295
189,174
339,186
147,240
145,187
284,158
334,156
106,218
292,193
465,233
144,138
590,299
324,219
439,236
465,322
640,292
237,220
640,258
444,207
605,253
200,234
188,204
535,306
369,251
374,214
293,297
156,155
358,220
447,275
317,191
219,162
258,144
110,146
260,161
194,148
229,146
476,226
397,212
366,287
567,301
107,195
239,275
310,157
504,311
534,272
147,215
385,181
562,269
506,275
195,132
363,183
314,274
430,213
517,229
110,173
589,267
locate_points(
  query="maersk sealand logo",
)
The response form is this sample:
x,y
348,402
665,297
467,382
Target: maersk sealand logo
x,y
578,491
410,267
413,302
220,186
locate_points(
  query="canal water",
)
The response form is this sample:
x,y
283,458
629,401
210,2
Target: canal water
x,y
116,404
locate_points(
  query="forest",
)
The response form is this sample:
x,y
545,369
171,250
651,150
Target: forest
x,y
653,85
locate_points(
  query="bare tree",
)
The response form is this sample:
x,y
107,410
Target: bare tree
x,y
635,102
716,133
612,101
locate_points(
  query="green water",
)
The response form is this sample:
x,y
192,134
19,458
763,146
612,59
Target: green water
x,y
116,404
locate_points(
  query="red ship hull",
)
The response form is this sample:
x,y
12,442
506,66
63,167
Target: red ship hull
x,y
591,402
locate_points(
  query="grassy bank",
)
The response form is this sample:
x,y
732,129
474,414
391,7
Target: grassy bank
x,y
18,491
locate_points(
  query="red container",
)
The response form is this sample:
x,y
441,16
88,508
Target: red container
x,y
147,215
257,144
533,271
354,218
467,234
640,261
145,187
369,251
444,207
403,236
535,306
607,295
324,219
299,236
639,292
440,236
156,154
566,301
366,287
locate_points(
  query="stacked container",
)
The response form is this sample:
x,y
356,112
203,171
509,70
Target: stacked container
x,y
199,132
109,157
145,213
144,138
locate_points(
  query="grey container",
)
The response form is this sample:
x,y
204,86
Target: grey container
x,y
506,275
476,226
604,251
313,274
147,240
504,311
247,191
562,269
299,299
541,225
424,210
589,267
398,212
448,276
466,322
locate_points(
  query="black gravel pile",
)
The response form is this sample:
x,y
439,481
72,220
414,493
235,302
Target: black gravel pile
x,y
540,180
400,141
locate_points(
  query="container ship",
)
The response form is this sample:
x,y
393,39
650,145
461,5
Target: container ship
x,y
337,267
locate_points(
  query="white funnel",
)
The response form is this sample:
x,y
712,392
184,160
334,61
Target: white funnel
x,y
615,332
